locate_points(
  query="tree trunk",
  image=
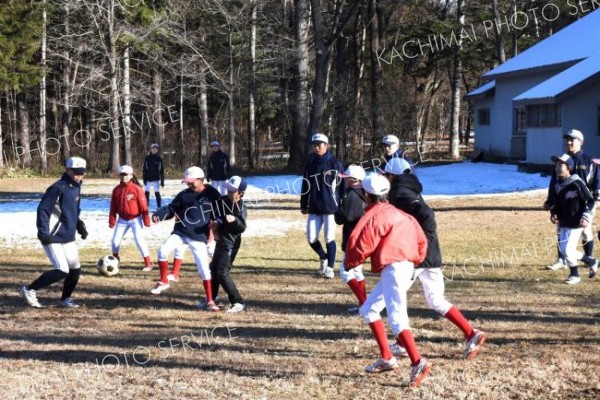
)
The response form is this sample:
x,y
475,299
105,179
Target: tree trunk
x,y
203,110
252,156
42,132
126,109
180,120
455,101
157,115
341,99
498,34
114,161
2,154
231,105
24,152
376,75
298,140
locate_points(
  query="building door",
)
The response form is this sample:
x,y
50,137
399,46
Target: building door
x,y
518,142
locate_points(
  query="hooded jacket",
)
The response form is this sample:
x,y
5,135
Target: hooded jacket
x,y
193,212
153,169
229,232
322,188
573,202
218,168
405,194
58,211
352,208
128,200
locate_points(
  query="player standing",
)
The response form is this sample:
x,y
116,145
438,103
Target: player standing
x,y
129,202
405,194
352,208
395,243
153,174
321,192
228,227
57,222
218,169
193,209
572,212
587,170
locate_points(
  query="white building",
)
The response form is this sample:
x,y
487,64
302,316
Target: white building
x,y
531,100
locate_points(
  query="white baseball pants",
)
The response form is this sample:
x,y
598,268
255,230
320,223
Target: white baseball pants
x,y
390,293
314,224
137,227
568,238
198,249
354,273
432,280
63,256
152,185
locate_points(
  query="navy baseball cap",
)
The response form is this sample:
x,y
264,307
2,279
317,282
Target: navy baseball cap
x,y
565,159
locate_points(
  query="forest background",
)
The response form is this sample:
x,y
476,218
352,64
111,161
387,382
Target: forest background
x,y
104,79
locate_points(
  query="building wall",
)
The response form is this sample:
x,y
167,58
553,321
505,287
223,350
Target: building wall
x,y
580,111
496,137
543,143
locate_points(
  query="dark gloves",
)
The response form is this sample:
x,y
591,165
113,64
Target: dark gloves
x,y
45,239
81,229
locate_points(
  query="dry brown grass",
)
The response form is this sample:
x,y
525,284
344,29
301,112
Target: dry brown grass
x,y
295,340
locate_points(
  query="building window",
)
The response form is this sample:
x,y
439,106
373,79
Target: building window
x,y
544,116
520,121
483,116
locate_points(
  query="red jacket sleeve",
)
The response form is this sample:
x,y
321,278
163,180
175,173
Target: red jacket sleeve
x,y
361,244
112,215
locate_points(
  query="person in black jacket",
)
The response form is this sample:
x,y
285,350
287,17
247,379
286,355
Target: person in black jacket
x,y
572,211
391,149
405,194
352,207
228,228
587,170
57,222
321,192
153,173
218,169
193,209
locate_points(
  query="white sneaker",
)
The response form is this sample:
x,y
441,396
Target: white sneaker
x,y
211,306
473,345
30,297
559,264
594,269
68,303
148,268
398,350
572,280
237,307
159,288
322,266
328,273
419,372
382,365
173,278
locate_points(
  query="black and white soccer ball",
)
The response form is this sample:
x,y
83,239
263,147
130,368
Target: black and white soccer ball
x,y
108,266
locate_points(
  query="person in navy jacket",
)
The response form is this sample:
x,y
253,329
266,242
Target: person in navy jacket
x,y
322,189
193,209
218,169
57,222
153,174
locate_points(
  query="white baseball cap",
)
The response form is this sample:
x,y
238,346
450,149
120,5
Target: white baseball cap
x,y
376,184
319,137
215,143
192,173
236,184
154,146
574,134
77,164
565,159
354,171
125,170
390,140
397,166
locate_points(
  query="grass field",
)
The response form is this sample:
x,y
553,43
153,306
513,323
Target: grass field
x,y
295,341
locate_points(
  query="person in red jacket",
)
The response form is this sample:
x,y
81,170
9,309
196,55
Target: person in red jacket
x,y
129,202
395,243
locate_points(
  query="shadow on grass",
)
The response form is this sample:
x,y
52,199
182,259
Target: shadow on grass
x,y
488,208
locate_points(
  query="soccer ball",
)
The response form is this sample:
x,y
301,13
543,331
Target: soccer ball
x,y
108,266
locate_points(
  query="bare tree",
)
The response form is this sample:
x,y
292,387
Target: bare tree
x,y
456,80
